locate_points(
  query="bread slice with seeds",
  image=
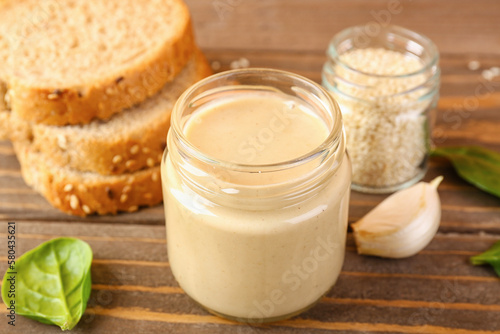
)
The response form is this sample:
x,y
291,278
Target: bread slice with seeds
x,y
84,193
68,62
129,141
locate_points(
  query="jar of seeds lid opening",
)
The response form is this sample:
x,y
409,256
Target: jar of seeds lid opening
x,y
387,85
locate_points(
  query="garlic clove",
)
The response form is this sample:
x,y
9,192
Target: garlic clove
x,y
403,224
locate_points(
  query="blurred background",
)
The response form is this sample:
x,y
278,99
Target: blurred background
x,y
456,26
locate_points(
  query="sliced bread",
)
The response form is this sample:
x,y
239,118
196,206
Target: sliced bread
x,y
127,142
68,62
84,193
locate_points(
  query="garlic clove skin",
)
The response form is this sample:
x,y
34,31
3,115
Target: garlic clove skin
x,y
401,225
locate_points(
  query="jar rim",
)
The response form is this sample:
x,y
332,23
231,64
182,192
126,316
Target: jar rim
x,y
389,30
332,141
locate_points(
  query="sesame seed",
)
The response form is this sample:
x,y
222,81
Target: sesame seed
x,y
150,162
488,75
244,62
62,142
68,187
86,209
74,202
117,159
216,65
495,70
474,65
55,94
126,189
134,149
234,65
7,98
133,208
240,63
123,198
154,177
129,164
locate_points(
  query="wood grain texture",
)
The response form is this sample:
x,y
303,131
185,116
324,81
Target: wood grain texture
x,y
458,26
436,291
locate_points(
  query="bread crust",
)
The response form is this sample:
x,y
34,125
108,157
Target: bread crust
x,y
83,194
4,128
108,96
4,114
139,148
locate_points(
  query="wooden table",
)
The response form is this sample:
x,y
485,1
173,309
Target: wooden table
x,y
436,291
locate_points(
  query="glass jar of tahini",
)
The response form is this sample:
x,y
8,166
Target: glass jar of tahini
x,y
386,82
256,186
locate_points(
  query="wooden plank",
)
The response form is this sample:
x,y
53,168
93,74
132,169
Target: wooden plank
x,y
371,294
465,208
150,247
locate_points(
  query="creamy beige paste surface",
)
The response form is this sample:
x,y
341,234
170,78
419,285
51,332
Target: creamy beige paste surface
x,y
256,129
254,262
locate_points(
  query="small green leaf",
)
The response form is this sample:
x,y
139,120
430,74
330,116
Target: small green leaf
x,y
52,282
476,165
491,256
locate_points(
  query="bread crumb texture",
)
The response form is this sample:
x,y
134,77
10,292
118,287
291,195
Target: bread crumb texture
x,y
67,62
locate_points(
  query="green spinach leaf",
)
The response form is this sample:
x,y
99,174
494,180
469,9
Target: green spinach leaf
x,y
52,282
477,165
491,256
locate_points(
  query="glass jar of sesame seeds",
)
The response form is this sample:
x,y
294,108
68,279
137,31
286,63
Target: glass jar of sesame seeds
x,y
386,82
